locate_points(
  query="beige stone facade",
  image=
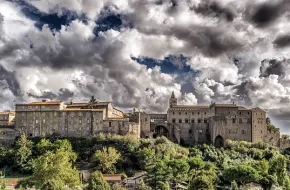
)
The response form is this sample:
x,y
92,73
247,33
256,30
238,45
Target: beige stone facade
x,y
40,119
7,118
213,123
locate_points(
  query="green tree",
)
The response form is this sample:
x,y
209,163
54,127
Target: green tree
x,y
196,163
106,159
97,182
3,185
158,174
234,185
179,169
117,186
201,182
242,174
143,186
23,154
43,146
54,171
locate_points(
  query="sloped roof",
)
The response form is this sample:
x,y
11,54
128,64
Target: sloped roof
x,y
191,106
112,177
43,103
225,105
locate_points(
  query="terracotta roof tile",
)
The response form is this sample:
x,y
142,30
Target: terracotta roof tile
x,y
112,177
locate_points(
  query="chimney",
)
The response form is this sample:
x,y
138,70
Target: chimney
x,y
43,100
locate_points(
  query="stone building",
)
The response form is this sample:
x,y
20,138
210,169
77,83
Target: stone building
x,y
212,123
7,118
40,119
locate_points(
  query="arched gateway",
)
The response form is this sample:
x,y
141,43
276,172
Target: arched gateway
x,y
219,141
160,130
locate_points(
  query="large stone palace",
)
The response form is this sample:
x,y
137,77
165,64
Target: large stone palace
x,y
184,124
191,124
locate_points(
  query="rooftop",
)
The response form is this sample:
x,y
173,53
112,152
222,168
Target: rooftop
x,y
43,103
112,177
191,106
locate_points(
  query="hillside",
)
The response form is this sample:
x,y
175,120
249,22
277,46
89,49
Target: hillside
x,y
167,164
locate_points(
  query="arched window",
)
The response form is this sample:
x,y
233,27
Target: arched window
x,y
173,120
192,121
186,120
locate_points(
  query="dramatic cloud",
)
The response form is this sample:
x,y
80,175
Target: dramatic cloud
x,y
135,53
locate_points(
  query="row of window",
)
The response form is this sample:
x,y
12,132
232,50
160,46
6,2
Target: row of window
x,y
187,121
186,113
205,120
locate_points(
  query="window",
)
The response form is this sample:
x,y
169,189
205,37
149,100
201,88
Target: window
x,y
173,113
200,131
197,113
186,120
204,113
199,121
240,120
261,131
110,124
29,107
190,131
36,121
180,121
179,113
248,113
97,121
205,121
240,113
192,113
185,113
43,121
173,121
234,120
80,121
243,132
192,121
88,121
30,134
145,119
248,120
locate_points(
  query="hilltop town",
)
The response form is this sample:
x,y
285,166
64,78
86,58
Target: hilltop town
x,y
183,124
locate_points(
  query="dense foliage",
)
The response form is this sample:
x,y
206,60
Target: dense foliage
x,y
168,165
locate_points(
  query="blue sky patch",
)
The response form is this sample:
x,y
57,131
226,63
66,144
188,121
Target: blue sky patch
x,y
54,21
170,64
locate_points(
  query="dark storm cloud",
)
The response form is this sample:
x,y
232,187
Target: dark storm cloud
x,y
11,80
265,14
63,95
243,91
44,95
212,41
214,9
282,41
273,67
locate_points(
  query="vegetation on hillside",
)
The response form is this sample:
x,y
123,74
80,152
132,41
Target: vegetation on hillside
x,y
51,163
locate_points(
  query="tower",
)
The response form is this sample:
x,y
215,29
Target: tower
x,y
172,100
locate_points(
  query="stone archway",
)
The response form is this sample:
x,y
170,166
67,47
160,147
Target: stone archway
x,y
160,130
219,141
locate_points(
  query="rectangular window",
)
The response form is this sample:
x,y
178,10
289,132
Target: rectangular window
x,y
199,120
110,124
205,121
234,120
240,120
180,121
192,121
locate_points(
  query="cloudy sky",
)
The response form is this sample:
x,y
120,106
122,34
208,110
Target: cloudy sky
x,y
136,52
